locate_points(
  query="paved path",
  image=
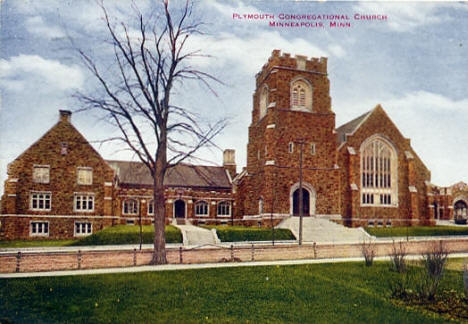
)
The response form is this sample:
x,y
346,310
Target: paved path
x,y
172,267
196,236
319,230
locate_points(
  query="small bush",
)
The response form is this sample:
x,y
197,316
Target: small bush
x,y
434,263
465,279
397,257
368,251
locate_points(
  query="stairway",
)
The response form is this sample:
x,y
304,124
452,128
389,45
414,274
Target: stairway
x,y
323,230
194,235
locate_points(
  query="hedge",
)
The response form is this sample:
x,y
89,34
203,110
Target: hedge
x,y
242,233
129,234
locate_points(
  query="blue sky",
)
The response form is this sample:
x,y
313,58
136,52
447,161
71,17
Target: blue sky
x,y
415,64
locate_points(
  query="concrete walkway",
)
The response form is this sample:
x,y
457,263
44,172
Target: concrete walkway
x,y
197,236
172,267
320,230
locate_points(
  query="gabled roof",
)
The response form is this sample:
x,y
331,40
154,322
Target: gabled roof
x,y
181,175
351,126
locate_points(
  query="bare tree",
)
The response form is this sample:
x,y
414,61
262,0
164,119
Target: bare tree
x,y
151,58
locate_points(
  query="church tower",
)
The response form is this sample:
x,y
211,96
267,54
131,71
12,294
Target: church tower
x,y
291,113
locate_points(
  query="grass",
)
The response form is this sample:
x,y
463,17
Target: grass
x,y
24,244
321,293
417,231
243,233
121,234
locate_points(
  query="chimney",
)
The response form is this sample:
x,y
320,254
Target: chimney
x,y
65,115
229,162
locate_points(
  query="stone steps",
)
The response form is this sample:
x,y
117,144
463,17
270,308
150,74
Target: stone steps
x,y
323,230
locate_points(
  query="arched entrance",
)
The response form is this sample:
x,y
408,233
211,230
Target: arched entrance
x,y
460,210
179,209
308,200
305,202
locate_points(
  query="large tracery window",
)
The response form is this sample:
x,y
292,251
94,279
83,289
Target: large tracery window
x,y
378,173
301,96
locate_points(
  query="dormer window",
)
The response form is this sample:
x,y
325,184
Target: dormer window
x,y
301,95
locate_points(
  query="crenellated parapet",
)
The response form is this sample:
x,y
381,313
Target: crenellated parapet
x,y
297,62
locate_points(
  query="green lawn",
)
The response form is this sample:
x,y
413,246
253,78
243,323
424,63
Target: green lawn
x,y
121,234
34,243
243,233
417,231
323,293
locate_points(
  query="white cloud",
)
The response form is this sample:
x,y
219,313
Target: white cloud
x,y
35,72
249,53
336,50
228,10
36,26
404,16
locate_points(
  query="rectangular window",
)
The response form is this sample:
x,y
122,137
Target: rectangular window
x,y
41,173
84,202
224,209
151,208
291,147
40,201
312,148
84,176
39,229
83,228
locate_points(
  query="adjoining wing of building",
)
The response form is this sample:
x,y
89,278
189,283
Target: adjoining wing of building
x,y
363,173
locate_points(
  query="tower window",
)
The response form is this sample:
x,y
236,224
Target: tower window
x,y
312,148
291,147
301,96
263,102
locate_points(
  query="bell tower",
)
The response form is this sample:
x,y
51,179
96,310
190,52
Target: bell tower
x,y
291,113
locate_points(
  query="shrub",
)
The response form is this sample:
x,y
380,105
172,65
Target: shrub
x,y
128,234
465,279
397,257
434,263
243,233
368,251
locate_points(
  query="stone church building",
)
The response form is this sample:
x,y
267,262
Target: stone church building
x,y
363,173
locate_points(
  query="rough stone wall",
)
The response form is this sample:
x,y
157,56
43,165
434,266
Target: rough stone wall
x,y
272,169
190,196
412,207
63,174
18,227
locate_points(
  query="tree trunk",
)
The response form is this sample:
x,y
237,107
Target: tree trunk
x,y
159,253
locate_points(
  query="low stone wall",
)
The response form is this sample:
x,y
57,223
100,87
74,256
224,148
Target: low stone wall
x,y
52,261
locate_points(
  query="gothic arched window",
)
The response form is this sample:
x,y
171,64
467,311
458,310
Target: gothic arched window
x,y
301,95
263,102
379,168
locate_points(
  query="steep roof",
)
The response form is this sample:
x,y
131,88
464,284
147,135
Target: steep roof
x,y
182,175
351,126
